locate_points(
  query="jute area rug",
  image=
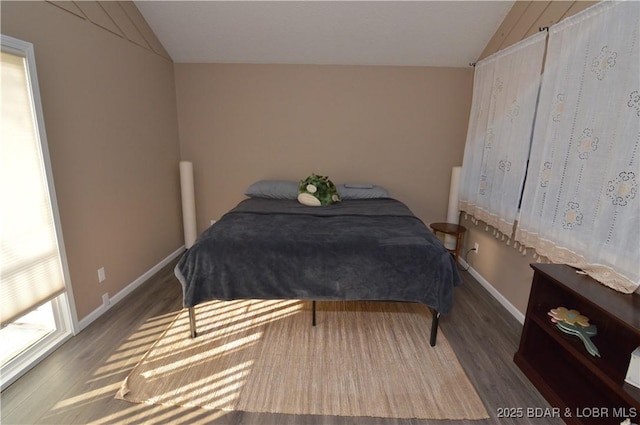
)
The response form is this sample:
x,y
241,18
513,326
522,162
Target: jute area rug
x,y
362,359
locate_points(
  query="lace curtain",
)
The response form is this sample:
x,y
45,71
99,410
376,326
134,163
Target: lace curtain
x,y
581,203
506,87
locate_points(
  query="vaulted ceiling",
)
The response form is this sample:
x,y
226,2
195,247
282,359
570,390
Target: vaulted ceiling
x,y
411,33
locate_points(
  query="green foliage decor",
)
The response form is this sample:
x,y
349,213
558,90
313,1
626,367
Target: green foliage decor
x,y
317,190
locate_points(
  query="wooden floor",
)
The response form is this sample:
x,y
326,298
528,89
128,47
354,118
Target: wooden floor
x,y
77,383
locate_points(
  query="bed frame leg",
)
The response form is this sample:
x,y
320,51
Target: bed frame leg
x,y
192,321
313,313
434,327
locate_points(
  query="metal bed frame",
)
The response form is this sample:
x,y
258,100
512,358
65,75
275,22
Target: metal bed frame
x,y
432,340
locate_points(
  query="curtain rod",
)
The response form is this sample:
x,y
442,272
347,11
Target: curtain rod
x,y
540,29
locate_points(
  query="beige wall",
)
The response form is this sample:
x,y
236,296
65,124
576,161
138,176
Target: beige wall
x,y
110,111
399,127
403,128
110,115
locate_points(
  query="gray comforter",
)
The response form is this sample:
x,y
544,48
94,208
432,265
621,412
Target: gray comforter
x,y
370,249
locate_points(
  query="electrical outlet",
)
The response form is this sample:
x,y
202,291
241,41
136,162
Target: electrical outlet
x,y
476,247
105,299
101,274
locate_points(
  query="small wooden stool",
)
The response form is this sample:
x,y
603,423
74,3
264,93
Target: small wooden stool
x,y
452,229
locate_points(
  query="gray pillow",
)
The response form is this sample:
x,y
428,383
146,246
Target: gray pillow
x,y
273,189
361,191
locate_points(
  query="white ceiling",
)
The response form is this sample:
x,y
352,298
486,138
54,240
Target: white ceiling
x,y
419,33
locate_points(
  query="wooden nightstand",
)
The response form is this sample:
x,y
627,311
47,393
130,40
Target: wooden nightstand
x,y
454,230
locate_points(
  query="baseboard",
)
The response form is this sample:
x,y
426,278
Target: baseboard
x,y
494,292
91,317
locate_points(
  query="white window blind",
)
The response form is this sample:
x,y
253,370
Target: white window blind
x,y
581,204
30,265
506,87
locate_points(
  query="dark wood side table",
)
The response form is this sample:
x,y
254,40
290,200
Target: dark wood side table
x,y
454,230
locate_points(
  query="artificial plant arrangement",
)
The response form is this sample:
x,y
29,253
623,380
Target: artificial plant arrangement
x,y
317,190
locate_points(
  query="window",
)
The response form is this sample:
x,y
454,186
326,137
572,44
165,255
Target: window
x,y
505,93
34,294
581,205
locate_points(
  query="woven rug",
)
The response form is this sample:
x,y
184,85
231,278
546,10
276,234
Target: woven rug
x,y
362,359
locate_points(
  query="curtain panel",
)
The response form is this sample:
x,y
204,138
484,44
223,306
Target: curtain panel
x,y
580,205
506,87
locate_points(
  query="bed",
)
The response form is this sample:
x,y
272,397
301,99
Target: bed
x,y
358,249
